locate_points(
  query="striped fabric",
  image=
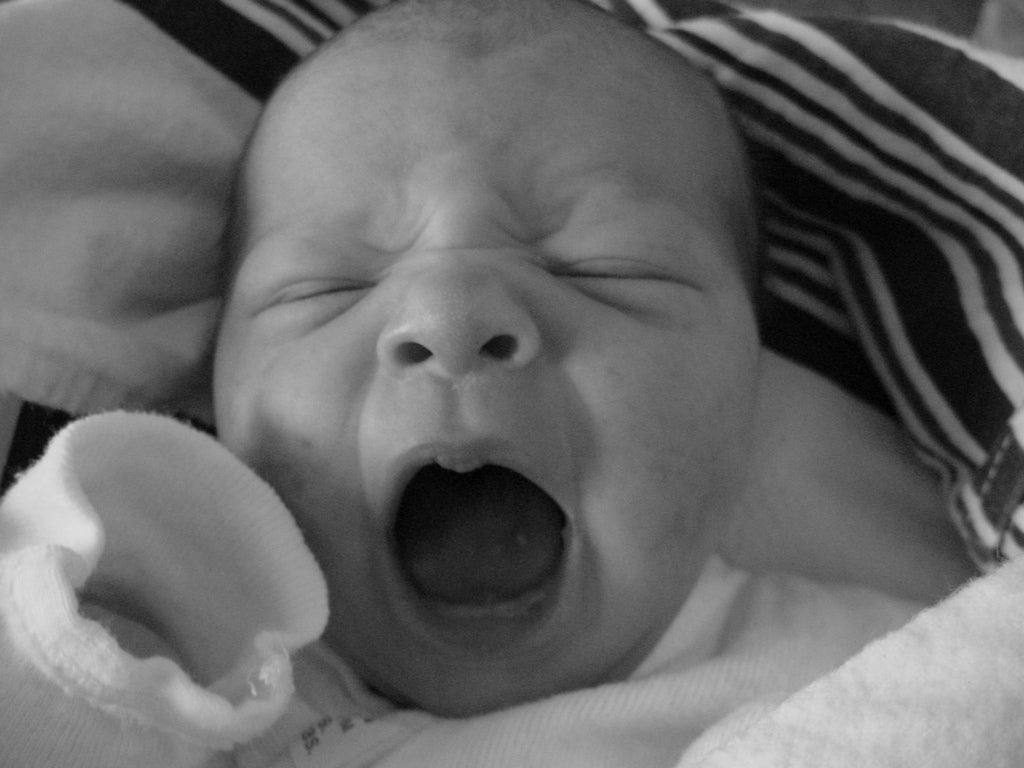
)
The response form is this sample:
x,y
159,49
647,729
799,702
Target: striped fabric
x,y
891,163
894,205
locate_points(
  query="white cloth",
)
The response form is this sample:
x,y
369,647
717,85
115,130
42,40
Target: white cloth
x,y
740,638
196,560
947,691
163,524
118,154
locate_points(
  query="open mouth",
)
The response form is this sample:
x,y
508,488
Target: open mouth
x,y
480,544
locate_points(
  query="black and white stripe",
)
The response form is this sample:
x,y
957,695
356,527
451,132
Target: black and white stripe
x,y
252,42
861,130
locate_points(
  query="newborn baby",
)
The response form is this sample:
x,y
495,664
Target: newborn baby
x,y
491,335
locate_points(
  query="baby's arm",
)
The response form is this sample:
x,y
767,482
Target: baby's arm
x,y
151,591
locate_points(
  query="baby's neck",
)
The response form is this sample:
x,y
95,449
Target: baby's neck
x,y
838,495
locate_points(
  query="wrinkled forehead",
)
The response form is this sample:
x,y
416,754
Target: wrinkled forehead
x,y
398,101
533,115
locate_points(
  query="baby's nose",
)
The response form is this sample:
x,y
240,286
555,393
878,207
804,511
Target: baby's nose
x,y
455,321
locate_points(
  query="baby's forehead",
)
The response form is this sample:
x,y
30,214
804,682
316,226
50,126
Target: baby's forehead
x,y
417,92
505,46
539,112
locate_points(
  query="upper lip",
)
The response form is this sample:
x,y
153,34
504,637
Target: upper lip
x,y
457,456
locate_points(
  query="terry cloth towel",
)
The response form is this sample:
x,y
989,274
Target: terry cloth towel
x,y
198,567
945,691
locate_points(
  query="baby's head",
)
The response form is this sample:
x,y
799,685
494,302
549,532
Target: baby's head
x,y
491,338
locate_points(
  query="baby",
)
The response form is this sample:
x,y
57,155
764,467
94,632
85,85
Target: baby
x,y
491,336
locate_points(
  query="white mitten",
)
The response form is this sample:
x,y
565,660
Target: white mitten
x,y
180,551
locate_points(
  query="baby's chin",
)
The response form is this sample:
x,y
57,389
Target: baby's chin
x,y
467,660
466,663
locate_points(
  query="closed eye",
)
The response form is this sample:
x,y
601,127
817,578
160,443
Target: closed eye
x,y
613,268
307,290
636,287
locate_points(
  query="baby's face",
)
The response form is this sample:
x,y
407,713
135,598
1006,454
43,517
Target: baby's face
x,y
489,341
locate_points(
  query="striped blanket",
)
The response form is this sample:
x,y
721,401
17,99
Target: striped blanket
x,y
891,162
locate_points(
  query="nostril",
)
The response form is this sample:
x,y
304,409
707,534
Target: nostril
x,y
452,355
411,353
500,347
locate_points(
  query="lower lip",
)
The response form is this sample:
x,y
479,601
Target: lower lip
x,y
483,629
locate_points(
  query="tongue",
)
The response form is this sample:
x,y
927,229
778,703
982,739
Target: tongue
x,y
477,538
